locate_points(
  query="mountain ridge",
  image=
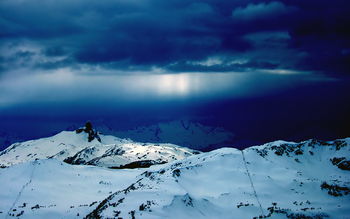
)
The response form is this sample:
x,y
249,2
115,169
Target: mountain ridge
x,y
303,191
180,132
75,149
280,179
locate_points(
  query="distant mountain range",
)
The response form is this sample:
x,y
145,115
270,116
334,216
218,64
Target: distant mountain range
x,y
186,133
181,132
310,179
7,139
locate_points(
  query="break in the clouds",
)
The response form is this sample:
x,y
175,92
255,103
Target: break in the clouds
x,y
175,36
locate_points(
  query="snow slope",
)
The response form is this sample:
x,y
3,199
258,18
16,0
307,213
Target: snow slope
x,y
280,179
75,149
53,189
276,180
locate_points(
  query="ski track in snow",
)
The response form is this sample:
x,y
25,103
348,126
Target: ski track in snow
x,y
251,183
23,187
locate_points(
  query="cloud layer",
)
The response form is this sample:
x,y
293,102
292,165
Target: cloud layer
x,y
177,36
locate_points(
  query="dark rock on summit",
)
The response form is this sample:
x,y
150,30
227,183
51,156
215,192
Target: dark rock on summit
x,y
88,129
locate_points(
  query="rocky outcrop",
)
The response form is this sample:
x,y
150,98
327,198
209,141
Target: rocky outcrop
x,y
92,134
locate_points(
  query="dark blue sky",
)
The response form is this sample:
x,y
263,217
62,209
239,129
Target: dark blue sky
x,y
265,70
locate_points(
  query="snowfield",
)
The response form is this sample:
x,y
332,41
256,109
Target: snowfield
x,y
280,179
53,189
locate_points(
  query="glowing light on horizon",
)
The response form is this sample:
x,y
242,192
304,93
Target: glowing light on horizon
x,y
173,84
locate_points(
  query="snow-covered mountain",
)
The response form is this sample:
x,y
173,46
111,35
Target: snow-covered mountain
x,y
280,179
180,132
74,148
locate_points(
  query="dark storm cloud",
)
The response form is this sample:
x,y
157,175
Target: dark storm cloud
x,y
262,10
175,35
323,33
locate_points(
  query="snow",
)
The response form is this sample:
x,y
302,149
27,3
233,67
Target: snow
x,y
60,190
228,183
275,180
112,151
